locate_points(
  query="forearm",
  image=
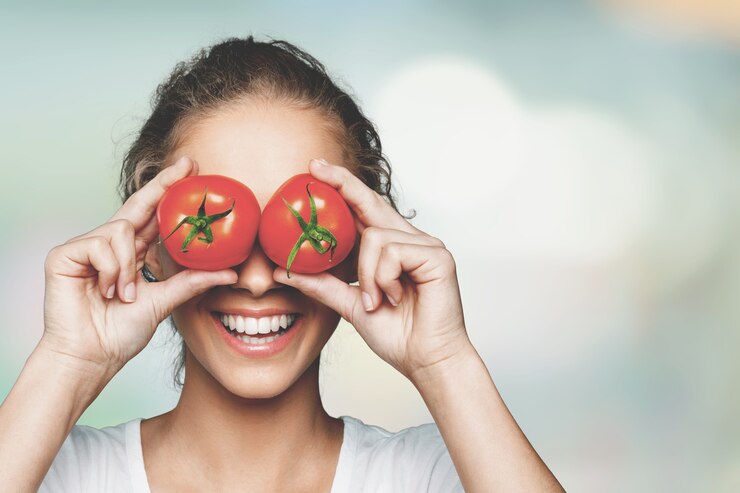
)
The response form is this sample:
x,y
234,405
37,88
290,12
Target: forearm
x,y
51,393
489,450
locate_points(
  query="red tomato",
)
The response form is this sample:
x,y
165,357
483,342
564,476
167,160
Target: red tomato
x,y
316,242
208,222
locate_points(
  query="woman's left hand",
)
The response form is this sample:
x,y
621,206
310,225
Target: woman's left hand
x,y
419,323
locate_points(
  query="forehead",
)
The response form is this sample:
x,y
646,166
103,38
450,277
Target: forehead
x,y
261,144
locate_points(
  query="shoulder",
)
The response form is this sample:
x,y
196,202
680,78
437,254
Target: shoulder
x,y
411,459
92,459
424,438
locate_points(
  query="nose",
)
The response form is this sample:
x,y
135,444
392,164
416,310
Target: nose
x,y
255,273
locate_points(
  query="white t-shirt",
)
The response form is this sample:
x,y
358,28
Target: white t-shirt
x,y
371,459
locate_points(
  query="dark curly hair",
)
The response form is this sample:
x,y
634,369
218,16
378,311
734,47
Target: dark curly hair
x,y
236,69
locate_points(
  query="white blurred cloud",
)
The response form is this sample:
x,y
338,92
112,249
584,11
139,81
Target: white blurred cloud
x,y
562,183
541,205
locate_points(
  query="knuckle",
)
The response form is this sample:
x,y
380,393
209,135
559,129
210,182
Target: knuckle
x,y
344,176
352,306
98,242
364,207
392,251
370,236
51,257
447,259
112,266
436,241
109,262
122,227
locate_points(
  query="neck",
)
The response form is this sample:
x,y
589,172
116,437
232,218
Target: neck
x,y
271,436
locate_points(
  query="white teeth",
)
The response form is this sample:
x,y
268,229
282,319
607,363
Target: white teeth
x,y
257,340
253,326
264,325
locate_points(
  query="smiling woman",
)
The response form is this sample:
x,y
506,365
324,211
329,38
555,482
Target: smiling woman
x,y
258,113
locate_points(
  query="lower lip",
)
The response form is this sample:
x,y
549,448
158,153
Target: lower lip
x,y
259,350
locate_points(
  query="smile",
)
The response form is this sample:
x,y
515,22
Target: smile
x,y
262,330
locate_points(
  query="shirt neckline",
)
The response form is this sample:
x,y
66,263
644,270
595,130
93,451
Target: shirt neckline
x,y
135,457
342,475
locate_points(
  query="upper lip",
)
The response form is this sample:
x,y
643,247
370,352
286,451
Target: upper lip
x,y
263,312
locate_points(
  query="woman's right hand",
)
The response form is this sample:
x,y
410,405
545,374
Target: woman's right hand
x,y
97,307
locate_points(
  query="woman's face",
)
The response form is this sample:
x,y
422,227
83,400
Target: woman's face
x,y
261,145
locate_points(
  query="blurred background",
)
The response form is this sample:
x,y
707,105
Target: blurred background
x,y
580,160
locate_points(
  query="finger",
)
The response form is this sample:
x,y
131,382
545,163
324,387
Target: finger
x,y
149,230
167,295
127,249
139,208
327,289
422,263
372,242
367,205
87,257
122,241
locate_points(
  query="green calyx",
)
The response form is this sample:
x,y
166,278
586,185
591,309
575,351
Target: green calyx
x,y
201,224
313,232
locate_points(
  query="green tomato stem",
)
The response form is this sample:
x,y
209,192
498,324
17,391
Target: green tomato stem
x,y
313,232
201,224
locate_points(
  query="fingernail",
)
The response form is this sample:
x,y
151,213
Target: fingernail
x,y
110,292
392,300
181,162
320,162
367,301
129,294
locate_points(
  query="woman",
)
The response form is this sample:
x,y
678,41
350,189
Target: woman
x,y
259,113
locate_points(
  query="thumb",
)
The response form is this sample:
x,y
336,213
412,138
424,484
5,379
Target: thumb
x,y
168,295
327,289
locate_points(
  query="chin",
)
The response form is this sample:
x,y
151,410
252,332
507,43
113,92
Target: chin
x,y
248,382
215,361
251,384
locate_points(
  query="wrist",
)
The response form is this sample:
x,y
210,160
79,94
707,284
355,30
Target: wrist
x,y
49,396
73,368
443,367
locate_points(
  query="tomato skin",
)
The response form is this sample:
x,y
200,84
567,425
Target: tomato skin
x,y
279,229
233,235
